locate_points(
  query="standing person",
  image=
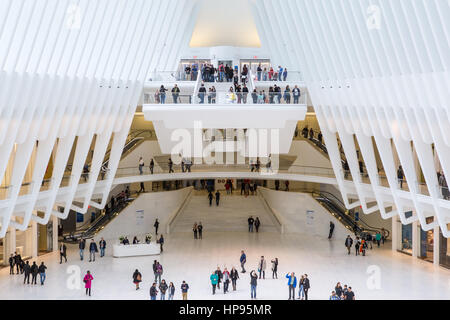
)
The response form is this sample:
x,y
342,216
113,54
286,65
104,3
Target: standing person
x,y
141,165
142,187
210,198
250,224
184,290
301,288
200,230
26,271
34,272
296,93
257,224
175,93
159,272
153,291
306,286
18,262
152,166
88,282
338,290
214,280
292,283
234,275
163,289
357,245
11,264
378,238
287,95
285,73
162,94
217,198
253,283
348,243
156,225
331,230
262,267
400,176
243,260
170,163
277,185
161,243
92,250
137,278
102,245
171,291
81,246
220,275
286,183
41,271
155,272
62,252
195,229
349,295
275,268
226,280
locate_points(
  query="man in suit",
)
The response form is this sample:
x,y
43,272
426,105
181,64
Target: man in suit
x,y
11,264
17,262
62,252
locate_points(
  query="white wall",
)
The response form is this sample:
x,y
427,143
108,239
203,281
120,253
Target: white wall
x,y
159,205
292,207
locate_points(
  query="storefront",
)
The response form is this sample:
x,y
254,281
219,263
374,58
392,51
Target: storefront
x,y
444,250
426,242
406,235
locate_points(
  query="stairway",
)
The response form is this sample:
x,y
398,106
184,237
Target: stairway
x,y
230,216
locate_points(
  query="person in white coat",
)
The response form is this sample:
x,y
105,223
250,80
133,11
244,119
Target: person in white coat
x,y
262,267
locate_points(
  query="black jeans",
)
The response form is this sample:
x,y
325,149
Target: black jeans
x,y
214,288
263,274
26,278
306,293
88,290
33,278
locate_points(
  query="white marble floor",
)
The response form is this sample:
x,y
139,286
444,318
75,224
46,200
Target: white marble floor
x,y
184,258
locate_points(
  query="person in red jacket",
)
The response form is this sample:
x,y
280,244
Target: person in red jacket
x,y
88,282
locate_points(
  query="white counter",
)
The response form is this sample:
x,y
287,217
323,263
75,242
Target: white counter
x,y
132,250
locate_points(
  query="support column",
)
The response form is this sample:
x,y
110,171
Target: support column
x,y
394,233
55,232
11,240
436,246
415,239
34,239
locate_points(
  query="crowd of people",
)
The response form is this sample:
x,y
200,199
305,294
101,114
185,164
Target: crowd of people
x,y
24,267
345,293
365,242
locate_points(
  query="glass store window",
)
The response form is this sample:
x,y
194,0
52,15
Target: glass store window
x,y
426,242
406,235
444,250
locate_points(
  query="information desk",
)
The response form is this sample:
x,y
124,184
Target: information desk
x,y
133,250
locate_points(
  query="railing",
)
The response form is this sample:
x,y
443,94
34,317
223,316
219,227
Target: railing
x,y
226,98
171,76
265,76
163,168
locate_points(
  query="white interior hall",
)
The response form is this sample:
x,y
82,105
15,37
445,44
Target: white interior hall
x,y
325,119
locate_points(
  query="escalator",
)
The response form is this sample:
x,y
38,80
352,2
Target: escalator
x,y
98,224
337,209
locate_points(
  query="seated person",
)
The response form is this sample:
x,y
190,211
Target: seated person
x,y
135,240
126,241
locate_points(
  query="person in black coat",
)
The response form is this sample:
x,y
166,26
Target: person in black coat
x,y
217,197
250,224
234,275
27,271
62,252
331,230
306,286
34,272
92,250
82,246
161,242
257,224
18,262
210,197
137,278
156,225
153,291
41,271
200,230
11,264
